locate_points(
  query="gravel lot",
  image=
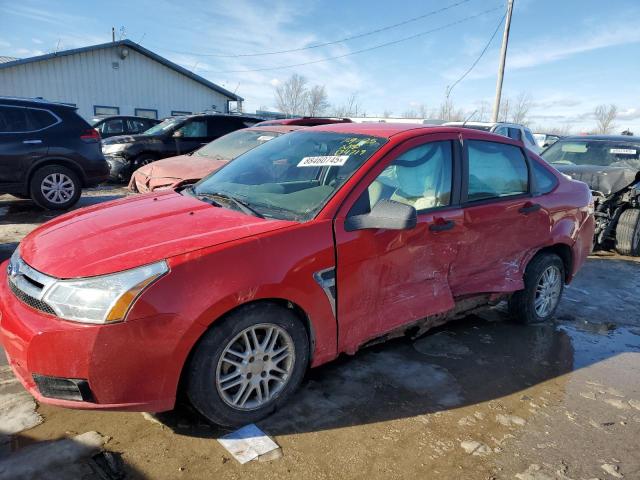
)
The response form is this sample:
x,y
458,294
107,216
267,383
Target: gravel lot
x,y
477,399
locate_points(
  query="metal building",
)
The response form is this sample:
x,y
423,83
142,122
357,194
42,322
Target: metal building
x,y
114,78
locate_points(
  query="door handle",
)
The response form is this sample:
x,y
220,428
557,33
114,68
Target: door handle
x,y
529,208
441,225
31,141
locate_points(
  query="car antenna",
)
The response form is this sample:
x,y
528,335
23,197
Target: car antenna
x,y
469,117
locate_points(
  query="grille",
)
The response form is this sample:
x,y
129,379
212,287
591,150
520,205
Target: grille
x,y
29,300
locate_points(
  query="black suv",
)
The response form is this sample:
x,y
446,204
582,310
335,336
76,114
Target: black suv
x,y
47,152
112,125
174,136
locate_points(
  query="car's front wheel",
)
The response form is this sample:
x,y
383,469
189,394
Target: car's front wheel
x,y
628,233
543,287
248,364
55,187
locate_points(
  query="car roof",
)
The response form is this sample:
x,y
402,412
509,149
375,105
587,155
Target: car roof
x,y
388,130
107,117
35,102
277,128
610,138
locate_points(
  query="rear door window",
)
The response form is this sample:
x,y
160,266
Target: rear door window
x,y
137,126
14,120
219,126
515,133
41,119
113,127
496,170
196,128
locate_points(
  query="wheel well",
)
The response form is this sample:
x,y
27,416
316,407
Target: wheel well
x,y
564,252
297,310
56,161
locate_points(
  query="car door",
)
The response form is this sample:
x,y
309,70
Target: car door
x,y
390,278
503,222
191,135
21,141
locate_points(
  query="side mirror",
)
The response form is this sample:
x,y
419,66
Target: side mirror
x,y
386,214
177,134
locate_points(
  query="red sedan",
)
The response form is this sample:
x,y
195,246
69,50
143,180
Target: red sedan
x,y
312,244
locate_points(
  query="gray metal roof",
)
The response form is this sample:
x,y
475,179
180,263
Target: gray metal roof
x,y
7,59
128,43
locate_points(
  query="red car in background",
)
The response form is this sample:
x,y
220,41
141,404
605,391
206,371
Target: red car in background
x,y
185,169
312,244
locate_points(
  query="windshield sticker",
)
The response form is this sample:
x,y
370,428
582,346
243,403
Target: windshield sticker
x,y
623,151
324,161
265,138
356,146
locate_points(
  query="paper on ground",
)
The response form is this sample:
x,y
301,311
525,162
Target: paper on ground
x,y
247,443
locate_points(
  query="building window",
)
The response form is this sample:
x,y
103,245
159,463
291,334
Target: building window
x,y
177,113
104,110
146,113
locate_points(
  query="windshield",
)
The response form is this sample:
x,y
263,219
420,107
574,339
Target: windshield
x,y
593,152
164,126
293,176
236,143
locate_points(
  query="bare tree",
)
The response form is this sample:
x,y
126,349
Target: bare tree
x,y
605,118
521,107
449,113
482,112
348,109
410,114
317,101
387,113
291,96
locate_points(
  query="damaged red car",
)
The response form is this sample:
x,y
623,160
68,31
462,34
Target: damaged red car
x,y
315,243
182,170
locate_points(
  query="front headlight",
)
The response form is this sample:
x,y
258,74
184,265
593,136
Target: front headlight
x,y
103,299
113,148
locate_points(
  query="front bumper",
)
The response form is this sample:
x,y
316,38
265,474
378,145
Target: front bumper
x,y
119,168
124,364
143,183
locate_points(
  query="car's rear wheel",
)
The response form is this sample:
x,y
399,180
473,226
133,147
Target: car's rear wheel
x,y
55,187
248,364
543,287
628,233
144,159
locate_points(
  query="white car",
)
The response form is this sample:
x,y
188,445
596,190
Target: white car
x,y
511,130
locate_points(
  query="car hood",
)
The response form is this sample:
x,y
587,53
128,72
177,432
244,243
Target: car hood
x,y
183,167
135,231
607,180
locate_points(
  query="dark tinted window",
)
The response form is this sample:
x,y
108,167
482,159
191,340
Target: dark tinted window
x,y
530,138
137,126
495,170
113,127
545,180
222,125
196,128
420,177
14,120
41,119
515,133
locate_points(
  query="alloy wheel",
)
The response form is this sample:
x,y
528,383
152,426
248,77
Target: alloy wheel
x,y
255,366
57,188
548,291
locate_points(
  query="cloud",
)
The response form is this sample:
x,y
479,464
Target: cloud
x,y
4,43
37,41
52,16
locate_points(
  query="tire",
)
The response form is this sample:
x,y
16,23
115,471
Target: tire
x,y
213,395
142,160
522,304
628,233
55,187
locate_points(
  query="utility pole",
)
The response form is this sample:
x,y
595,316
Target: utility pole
x,y
113,34
503,58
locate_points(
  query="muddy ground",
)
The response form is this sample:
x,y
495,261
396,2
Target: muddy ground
x,y
480,398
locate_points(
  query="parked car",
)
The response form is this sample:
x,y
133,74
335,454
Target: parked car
x,y
511,130
545,140
303,121
315,243
47,152
174,136
182,170
610,165
112,125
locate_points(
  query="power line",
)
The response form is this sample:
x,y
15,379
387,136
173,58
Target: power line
x,y
331,42
355,52
484,50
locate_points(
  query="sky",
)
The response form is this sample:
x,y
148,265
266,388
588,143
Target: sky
x,y
568,56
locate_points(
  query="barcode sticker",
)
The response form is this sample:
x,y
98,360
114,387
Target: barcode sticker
x,y
324,161
623,151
